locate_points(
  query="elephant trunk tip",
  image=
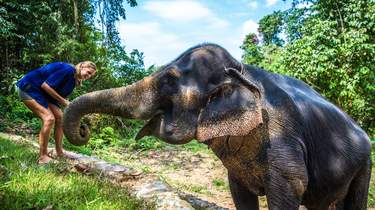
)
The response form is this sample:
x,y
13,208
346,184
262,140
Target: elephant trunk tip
x,y
79,135
84,133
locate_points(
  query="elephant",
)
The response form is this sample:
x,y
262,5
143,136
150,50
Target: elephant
x,y
274,134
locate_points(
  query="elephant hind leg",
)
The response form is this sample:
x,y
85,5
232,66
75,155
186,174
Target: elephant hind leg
x,y
356,197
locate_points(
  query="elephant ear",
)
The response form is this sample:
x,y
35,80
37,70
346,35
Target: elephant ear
x,y
231,110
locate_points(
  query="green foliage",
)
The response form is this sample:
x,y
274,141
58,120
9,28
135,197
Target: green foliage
x,y
25,185
271,61
148,143
105,137
199,189
269,28
33,35
121,135
252,52
109,13
80,149
335,55
195,147
15,116
331,47
218,182
14,109
109,132
221,184
338,66
293,20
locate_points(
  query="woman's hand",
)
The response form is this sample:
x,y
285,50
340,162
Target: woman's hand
x,y
65,103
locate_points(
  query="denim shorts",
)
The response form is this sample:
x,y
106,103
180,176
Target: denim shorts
x,y
23,95
39,97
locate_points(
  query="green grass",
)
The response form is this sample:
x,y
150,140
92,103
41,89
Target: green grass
x,y
195,188
26,185
221,184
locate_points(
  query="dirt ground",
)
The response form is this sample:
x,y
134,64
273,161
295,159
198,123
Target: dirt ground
x,y
199,174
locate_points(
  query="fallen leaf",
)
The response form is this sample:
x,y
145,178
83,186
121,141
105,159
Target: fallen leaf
x,y
49,207
80,167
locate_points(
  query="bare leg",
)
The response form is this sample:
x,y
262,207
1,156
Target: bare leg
x,y
58,129
44,134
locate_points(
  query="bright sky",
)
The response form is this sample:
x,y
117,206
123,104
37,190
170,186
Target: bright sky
x,y
163,29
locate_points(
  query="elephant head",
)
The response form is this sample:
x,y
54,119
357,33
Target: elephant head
x,y
201,94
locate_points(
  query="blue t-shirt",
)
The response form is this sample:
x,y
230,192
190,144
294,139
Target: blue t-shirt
x,y
58,75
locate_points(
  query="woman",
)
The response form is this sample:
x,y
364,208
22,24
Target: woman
x,y
43,91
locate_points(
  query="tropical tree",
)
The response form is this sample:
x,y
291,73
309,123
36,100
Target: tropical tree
x,y
331,46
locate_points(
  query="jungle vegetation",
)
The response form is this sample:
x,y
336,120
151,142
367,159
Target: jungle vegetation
x,y
328,44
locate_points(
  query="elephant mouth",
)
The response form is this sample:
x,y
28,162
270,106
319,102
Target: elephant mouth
x,y
156,126
152,127
159,126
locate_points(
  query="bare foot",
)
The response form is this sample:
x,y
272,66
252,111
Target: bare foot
x,y
44,159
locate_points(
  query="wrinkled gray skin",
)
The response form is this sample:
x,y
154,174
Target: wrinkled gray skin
x,y
275,135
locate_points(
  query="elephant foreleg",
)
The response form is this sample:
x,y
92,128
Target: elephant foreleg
x,y
243,198
286,179
280,196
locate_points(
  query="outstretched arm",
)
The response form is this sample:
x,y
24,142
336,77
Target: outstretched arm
x,y
54,94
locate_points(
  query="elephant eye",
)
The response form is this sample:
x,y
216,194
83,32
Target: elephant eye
x,y
227,91
169,84
169,80
222,91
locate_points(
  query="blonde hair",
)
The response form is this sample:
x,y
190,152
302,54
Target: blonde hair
x,y
79,66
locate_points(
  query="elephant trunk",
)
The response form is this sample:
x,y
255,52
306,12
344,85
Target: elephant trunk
x,y
134,101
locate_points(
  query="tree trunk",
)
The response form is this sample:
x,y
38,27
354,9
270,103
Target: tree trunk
x,y
75,14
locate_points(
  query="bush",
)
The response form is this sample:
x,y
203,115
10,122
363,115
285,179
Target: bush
x,y
16,117
334,57
106,137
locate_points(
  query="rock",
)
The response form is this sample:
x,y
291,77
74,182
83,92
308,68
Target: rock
x,y
162,195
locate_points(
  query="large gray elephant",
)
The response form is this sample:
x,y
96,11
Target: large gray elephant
x,y
275,135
